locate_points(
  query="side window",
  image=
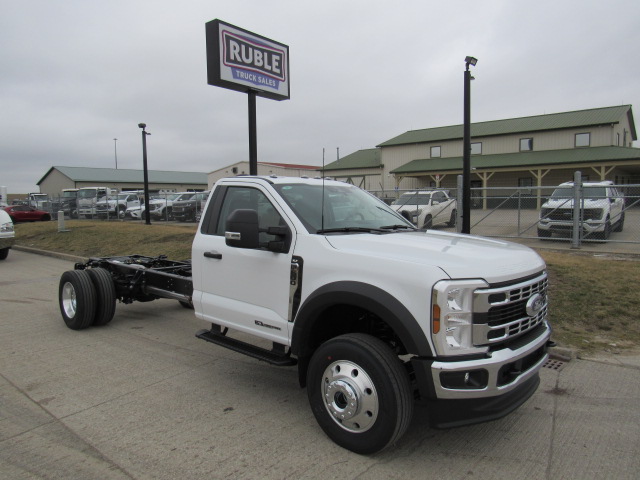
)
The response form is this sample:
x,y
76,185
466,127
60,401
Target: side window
x,y
253,199
439,197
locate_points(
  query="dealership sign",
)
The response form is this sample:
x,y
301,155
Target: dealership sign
x,y
240,60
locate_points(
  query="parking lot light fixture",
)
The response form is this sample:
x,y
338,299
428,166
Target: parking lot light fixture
x,y
147,216
466,146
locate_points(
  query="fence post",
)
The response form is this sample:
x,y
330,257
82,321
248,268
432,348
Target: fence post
x,y
577,195
460,200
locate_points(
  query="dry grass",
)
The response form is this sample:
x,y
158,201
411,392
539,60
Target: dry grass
x,y
102,239
594,300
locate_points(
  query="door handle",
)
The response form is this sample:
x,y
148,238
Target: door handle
x,y
213,254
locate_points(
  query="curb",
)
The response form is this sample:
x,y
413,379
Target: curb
x,y
62,256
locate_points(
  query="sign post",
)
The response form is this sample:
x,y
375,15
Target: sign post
x,y
246,62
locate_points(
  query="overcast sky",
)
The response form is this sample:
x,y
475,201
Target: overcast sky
x,y
75,74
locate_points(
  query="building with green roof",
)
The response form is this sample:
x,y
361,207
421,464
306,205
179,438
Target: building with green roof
x,y
542,150
58,178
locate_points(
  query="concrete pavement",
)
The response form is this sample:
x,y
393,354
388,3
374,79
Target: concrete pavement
x,y
143,398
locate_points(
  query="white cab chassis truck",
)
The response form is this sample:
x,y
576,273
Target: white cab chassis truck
x,y
375,314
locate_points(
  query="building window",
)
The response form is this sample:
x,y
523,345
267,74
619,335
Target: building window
x,y
526,144
435,152
583,139
476,148
525,184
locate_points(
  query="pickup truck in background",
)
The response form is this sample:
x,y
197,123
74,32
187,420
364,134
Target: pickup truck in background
x,y
426,208
375,313
7,234
188,209
116,206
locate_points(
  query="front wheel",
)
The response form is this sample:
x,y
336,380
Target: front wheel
x,y
4,253
359,392
77,299
452,220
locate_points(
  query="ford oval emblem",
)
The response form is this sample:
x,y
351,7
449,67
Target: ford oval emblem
x,y
535,304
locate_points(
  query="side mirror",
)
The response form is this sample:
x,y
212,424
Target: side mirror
x,y
241,229
435,202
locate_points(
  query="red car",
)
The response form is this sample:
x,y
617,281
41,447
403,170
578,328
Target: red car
x,y
24,213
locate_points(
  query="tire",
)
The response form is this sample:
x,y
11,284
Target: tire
x,y
428,222
186,305
360,372
46,218
452,220
620,224
77,299
4,252
105,296
606,233
544,234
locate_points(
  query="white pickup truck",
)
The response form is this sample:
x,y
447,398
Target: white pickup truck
x,y
426,208
375,313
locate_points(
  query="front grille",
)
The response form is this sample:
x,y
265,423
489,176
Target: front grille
x,y
566,214
500,314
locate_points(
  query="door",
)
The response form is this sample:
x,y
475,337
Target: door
x,y
244,289
441,207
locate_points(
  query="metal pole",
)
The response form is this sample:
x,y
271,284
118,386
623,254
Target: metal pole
x,y
253,135
115,150
459,196
147,214
577,221
466,155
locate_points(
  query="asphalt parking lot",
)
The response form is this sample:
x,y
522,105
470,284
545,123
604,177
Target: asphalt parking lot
x,y
143,398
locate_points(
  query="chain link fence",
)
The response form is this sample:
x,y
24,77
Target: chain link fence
x,y
577,213
123,206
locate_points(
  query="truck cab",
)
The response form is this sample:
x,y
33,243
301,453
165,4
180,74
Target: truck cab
x,y
325,270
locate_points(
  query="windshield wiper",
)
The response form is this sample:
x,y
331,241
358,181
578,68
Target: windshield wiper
x,y
351,229
396,227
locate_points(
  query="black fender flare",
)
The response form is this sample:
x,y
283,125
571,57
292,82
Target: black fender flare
x,y
368,297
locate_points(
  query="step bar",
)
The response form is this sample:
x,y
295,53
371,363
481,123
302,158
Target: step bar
x,y
276,356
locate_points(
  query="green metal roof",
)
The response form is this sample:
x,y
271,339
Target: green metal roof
x,y
368,158
123,175
522,159
555,121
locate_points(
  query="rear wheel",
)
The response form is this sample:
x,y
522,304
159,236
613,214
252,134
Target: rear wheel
x,y
359,392
105,296
4,252
77,299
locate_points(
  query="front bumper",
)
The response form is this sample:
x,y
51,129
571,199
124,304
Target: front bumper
x,y
7,242
561,227
509,377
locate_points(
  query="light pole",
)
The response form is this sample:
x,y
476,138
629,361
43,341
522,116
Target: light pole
x,y
115,150
466,146
147,217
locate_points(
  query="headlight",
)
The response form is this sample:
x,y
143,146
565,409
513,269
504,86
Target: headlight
x,y
452,316
6,227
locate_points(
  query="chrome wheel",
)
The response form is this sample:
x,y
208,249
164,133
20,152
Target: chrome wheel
x,y
350,396
68,300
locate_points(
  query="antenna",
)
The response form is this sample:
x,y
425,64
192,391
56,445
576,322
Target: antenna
x,y
322,203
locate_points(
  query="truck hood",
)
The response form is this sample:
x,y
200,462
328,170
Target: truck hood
x,y
459,256
568,203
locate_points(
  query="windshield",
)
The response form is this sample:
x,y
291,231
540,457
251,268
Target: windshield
x,y
589,192
90,193
412,199
69,194
345,207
